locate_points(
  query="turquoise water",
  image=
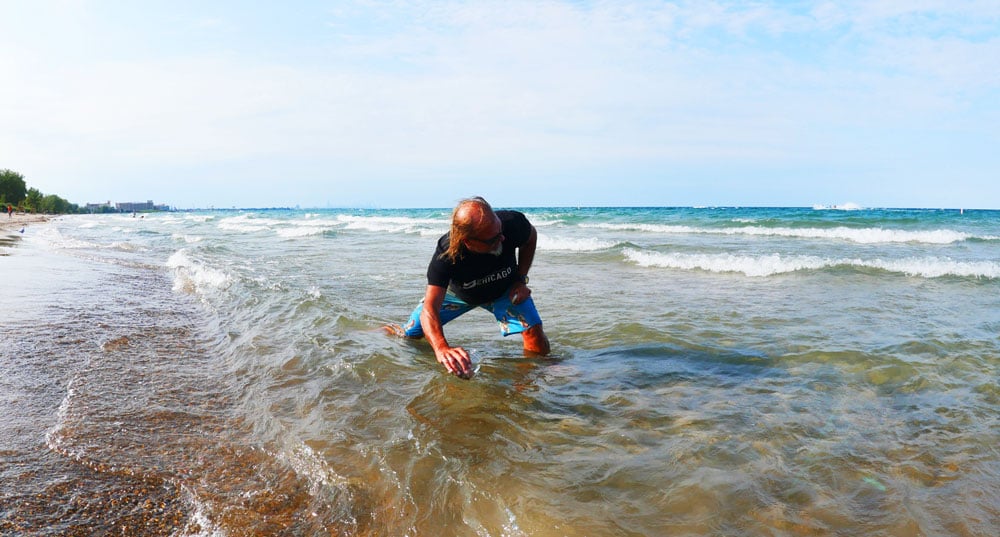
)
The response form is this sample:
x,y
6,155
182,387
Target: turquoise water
x,y
715,371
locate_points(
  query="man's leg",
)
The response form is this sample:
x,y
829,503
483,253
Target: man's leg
x,y
452,308
535,341
521,319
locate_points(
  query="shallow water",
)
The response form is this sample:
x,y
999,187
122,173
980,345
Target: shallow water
x,y
714,372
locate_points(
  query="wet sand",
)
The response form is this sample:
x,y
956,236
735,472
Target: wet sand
x,y
17,220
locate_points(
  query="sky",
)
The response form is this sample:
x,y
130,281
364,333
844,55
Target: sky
x,y
362,103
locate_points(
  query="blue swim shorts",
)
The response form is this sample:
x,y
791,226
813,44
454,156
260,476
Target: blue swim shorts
x,y
513,319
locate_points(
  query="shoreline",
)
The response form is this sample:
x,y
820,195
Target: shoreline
x,y
15,222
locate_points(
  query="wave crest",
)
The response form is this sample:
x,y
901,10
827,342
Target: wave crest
x,y
772,264
857,235
193,277
393,224
588,244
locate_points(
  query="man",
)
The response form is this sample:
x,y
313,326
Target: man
x,y
474,264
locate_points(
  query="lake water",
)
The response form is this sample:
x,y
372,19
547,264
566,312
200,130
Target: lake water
x,y
715,371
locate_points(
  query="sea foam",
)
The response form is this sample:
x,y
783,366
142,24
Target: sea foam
x,y
857,235
765,265
191,276
54,238
771,264
244,224
589,244
393,224
302,231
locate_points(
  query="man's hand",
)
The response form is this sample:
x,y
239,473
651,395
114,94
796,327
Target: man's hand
x,y
455,360
519,293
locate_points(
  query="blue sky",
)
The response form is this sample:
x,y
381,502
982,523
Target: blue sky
x,y
528,103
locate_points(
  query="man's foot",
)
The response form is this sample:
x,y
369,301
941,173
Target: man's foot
x,y
394,330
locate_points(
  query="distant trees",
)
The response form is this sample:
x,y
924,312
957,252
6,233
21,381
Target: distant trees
x,y
33,199
14,191
12,187
52,204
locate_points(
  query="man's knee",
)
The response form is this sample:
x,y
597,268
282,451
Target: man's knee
x,y
535,340
412,328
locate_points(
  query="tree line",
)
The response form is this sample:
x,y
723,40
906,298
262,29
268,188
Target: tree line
x,y
15,192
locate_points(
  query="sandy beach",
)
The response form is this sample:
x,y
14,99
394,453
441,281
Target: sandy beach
x,y
20,219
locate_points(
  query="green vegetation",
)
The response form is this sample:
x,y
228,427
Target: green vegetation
x,y
14,191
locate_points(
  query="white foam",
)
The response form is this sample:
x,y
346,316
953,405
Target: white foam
x,y
649,228
771,264
755,266
308,464
936,267
394,224
304,231
167,219
55,239
546,223
858,235
312,222
189,239
199,523
54,437
243,224
126,247
191,276
589,244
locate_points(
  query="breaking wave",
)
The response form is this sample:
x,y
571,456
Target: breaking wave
x,y
857,235
193,277
771,264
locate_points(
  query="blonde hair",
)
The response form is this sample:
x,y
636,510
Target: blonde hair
x,y
464,220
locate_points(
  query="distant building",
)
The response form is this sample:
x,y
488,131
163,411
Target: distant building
x,y
126,207
134,206
99,207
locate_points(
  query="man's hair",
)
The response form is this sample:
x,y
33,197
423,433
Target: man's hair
x,y
464,220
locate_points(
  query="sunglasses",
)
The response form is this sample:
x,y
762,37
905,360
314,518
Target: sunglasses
x,y
492,241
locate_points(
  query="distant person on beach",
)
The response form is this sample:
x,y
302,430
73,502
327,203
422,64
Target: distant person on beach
x,y
10,211
474,265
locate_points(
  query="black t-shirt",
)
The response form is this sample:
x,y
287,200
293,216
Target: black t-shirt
x,y
478,278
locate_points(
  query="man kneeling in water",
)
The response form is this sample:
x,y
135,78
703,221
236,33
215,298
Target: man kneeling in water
x,y
474,265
